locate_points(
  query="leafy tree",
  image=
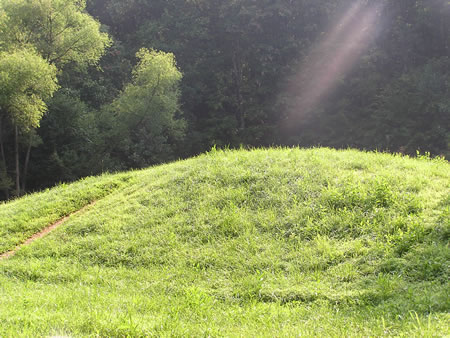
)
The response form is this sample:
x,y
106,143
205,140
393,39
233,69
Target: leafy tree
x,y
58,31
234,56
26,81
148,121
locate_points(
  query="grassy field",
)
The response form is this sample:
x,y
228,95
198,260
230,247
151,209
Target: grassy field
x,y
279,242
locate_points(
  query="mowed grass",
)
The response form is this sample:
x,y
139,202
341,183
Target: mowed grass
x,y
279,242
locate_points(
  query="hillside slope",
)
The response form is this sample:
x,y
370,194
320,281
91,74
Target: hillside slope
x,y
236,243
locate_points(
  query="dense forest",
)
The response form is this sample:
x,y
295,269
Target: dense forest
x,y
107,85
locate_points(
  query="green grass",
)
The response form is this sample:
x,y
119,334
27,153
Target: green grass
x,y
280,242
22,218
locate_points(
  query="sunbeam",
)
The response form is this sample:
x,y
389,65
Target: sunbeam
x,y
331,58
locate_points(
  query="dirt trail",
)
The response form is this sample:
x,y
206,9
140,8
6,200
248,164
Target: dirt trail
x,y
42,233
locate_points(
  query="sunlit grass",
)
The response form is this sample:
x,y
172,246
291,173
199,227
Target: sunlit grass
x,y
22,218
263,243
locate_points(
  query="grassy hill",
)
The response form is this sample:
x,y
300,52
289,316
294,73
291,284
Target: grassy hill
x,y
280,242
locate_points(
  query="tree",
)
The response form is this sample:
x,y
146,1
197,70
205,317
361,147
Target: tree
x,y
414,110
234,56
148,111
26,81
60,30
395,97
57,31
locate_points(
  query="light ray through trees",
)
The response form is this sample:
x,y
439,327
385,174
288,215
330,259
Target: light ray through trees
x,y
332,58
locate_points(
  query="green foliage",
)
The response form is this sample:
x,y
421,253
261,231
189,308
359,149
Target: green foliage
x,y
5,181
234,56
60,30
276,242
396,96
26,81
153,93
237,58
71,145
148,121
37,38
414,109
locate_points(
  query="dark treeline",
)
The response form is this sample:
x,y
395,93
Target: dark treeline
x,y
248,72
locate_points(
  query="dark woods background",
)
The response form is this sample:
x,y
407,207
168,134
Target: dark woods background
x,y
240,61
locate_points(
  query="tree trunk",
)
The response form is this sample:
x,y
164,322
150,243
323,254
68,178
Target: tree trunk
x,y
16,151
3,163
25,166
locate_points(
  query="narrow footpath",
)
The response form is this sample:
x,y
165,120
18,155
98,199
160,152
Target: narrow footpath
x,y
43,233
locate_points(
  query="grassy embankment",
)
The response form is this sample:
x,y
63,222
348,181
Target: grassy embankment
x,y
268,242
